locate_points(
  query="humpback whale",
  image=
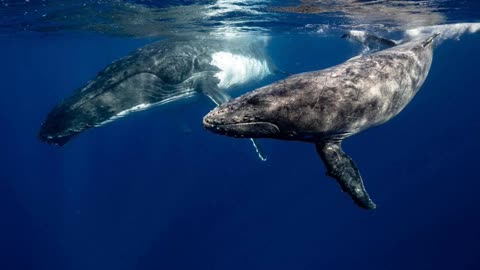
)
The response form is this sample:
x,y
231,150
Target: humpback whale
x,y
327,106
157,74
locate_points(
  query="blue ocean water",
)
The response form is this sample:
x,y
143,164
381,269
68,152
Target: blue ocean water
x,y
156,191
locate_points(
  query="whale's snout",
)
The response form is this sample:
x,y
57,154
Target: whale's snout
x,y
52,139
56,132
66,121
239,122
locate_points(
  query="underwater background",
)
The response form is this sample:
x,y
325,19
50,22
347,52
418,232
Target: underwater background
x,y
156,191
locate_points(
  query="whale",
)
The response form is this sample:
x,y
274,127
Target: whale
x,y
327,106
159,73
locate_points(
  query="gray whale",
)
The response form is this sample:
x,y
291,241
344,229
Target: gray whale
x,y
157,74
325,107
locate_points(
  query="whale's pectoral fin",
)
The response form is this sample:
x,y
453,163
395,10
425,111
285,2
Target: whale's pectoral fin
x,y
369,40
217,96
210,89
208,85
341,167
260,153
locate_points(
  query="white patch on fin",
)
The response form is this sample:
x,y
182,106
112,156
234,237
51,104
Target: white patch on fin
x,y
144,106
360,35
238,69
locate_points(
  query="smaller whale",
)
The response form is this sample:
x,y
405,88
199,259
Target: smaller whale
x,y
327,106
157,74
370,42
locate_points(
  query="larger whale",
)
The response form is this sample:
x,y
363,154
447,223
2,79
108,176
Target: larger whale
x,y
157,74
327,106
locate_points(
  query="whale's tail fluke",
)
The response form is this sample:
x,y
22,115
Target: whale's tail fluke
x,y
341,167
437,33
443,31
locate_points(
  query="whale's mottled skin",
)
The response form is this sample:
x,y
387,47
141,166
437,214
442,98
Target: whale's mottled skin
x,y
156,74
325,107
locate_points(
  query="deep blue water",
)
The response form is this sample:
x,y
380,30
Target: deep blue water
x,y
157,191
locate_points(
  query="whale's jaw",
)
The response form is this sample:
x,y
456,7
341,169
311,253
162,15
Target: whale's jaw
x,y
58,140
242,130
60,127
234,120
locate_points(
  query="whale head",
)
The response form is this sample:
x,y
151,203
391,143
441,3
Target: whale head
x,y
60,127
87,108
253,115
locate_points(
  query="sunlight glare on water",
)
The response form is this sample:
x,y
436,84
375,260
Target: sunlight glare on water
x,y
157,18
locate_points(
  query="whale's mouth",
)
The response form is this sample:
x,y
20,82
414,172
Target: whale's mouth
x,y
55,134
55,140
258,129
